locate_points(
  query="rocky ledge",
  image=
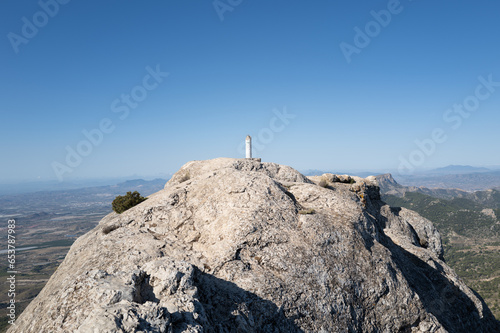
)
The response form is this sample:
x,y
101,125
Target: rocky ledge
x,y
235,245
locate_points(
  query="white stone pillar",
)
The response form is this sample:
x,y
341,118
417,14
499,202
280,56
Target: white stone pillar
x,y
248,142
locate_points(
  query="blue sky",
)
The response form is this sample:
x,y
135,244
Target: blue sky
x,y
277,70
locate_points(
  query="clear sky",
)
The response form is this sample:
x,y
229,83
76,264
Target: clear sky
x,y
335,85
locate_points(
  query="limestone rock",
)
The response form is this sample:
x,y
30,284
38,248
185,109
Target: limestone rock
x,y
225,248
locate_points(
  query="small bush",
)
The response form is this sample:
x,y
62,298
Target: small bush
x,y
323,183
122,203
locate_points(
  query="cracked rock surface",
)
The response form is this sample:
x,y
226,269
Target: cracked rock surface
x,y
235,245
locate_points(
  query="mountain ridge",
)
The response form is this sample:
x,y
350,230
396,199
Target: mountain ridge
x,y
240,245
458,169
389,186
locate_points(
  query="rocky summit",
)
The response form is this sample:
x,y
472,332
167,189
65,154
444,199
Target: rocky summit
x,y
236,245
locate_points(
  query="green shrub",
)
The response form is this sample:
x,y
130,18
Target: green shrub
x,y
122,203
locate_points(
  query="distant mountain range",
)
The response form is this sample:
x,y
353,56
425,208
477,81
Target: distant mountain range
x,y
389,186
458,169
475,181
469,214
464,177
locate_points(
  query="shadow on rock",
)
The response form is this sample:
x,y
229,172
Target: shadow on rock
x,y
232,309
452,307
